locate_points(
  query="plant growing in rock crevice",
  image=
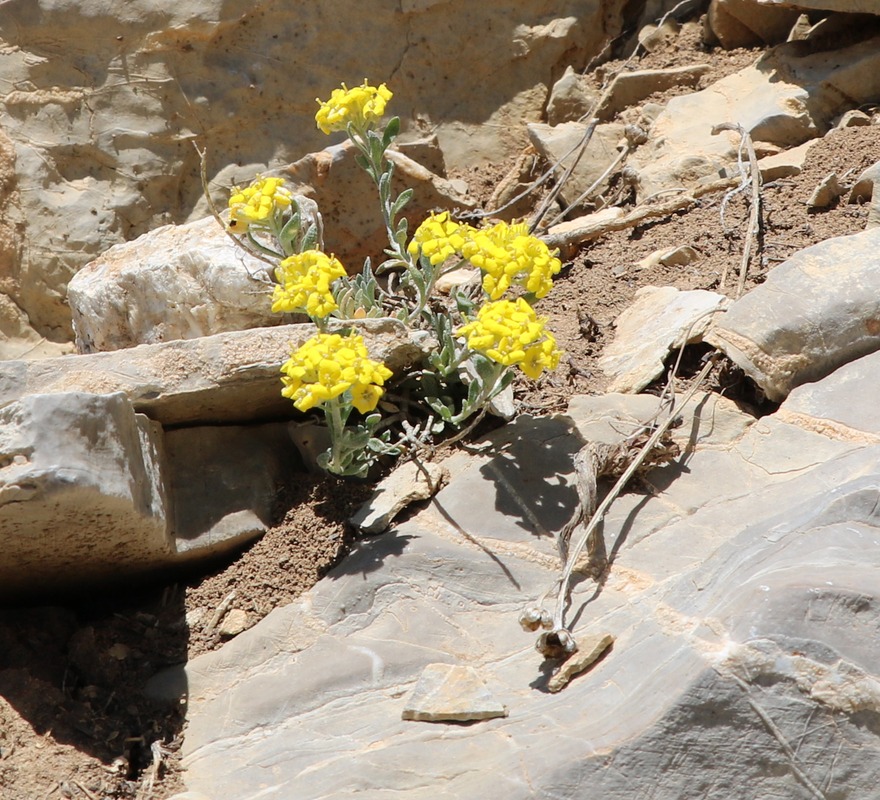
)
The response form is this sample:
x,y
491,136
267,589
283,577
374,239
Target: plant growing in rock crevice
x,y
480,335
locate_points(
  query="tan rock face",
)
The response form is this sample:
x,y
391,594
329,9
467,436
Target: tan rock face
x,y
102,102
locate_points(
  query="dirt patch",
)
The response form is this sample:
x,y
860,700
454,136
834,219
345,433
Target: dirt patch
x,y
74,722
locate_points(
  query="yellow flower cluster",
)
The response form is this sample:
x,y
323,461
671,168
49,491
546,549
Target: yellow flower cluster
x,y
510,332
327,366
507,254
359,107
304,281
438,238
256,203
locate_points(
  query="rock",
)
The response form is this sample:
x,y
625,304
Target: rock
x,y
659,320
19,340
679,256
176,282
82,493
755,590
815,312
100,130
785,164
863,188
587,654
409,483
744,23
570,98
653,37
348,200
785,99
560,144
234,623
451,693
826,192
228,377
853,119
845,6
630,88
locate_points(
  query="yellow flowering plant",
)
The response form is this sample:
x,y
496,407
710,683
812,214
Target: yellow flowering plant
x,y
481,335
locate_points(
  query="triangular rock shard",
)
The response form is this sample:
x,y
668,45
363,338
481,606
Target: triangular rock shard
x,y
451,693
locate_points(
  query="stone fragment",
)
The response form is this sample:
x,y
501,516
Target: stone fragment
x,y
234,623
561,144
590,649
744,23
679,256
451,693
863,188
854,118
630,88
570,98
826,192
785,164
82,491
346,196
226,377
815,312
176,282
785,99
659,320
409,483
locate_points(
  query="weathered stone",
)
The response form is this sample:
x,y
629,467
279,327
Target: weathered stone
x,y
177,282
451,693
588,653
755,590
347,196
814,313
845,6
744,23
226,377
102,126
409,483
234,623
785,98
82,492
863,188
853,118
659,320
669,257
785,164
630,88
570,98
560,144
826,192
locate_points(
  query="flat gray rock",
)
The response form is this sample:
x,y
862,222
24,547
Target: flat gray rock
x,y
742,591
451,693
815,312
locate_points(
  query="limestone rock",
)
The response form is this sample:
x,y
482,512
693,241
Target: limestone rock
x,y
863,188
755,589
176,282
227,377
234,623
785,99
785,164
101,127
630,88
745,23
561,143
82,492
409,483
815,312
570,98
826,192
845,6
679,256
451,693
659,320
348,200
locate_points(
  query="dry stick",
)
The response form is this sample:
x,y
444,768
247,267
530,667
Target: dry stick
x,y
637,216
755,211
600,512
221,609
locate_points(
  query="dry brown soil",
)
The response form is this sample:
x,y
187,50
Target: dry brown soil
x,y
74,722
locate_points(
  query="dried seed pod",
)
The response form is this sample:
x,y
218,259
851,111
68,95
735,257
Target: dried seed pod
x,y
534,617
557,643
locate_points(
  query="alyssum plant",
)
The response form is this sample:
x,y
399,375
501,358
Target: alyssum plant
x,y
480,336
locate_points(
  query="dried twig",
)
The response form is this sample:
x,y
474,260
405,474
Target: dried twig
x,y
221,609
754,178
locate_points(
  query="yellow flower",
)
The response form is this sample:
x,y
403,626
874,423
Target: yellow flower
x,y
510,332
257,203
438,238
507,255
327,366
360,107
304,281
